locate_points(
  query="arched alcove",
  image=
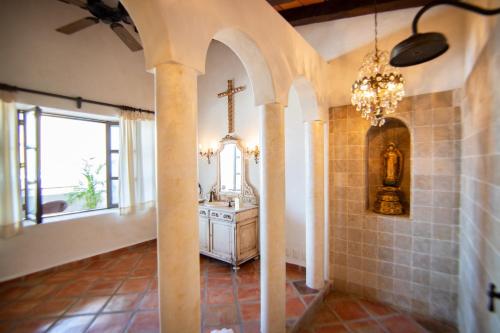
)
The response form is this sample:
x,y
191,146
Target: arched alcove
x,y
378,139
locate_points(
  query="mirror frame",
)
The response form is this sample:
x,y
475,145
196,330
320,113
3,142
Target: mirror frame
x,y
246,194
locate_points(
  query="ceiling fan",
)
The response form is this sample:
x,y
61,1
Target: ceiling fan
x,y
105,13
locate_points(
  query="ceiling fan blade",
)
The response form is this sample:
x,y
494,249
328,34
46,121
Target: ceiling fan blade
x,y
81,24
126,37
79,3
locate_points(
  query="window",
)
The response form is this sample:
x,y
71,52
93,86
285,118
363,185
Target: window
x,y
68,164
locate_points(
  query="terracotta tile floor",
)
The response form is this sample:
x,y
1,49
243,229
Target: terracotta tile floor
x,y
340,312
117,292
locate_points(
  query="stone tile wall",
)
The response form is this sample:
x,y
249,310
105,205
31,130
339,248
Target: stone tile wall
x,y
410,262
480,191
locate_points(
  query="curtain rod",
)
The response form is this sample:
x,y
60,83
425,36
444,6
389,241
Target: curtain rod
x,y
77,100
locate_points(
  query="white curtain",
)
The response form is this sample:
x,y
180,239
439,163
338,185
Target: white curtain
x,y
137,162
10,195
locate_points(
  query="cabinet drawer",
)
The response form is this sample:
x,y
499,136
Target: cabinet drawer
x,y
222,215
203,212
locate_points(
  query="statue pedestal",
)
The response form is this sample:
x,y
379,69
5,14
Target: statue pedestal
x,y
388,202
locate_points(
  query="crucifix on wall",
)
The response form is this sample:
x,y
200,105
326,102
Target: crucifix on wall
x,y
230,103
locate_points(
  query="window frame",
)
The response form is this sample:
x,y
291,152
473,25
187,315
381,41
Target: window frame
x,y
39,113
109,167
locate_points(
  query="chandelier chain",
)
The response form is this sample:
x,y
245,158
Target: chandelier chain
x,y
379,87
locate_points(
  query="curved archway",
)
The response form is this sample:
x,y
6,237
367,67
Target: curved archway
x,y
307,99
254,62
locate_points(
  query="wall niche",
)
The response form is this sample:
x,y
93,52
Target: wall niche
x,y
378,140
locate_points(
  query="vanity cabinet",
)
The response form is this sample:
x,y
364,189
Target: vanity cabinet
x,y
229,235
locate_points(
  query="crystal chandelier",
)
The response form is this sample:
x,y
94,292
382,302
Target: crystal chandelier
x,y
379,86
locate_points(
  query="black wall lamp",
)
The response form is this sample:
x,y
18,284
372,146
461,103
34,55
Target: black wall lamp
x,y
422,47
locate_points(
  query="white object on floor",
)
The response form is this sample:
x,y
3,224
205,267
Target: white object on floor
x,y
224,330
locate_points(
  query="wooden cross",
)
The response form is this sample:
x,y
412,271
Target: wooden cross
x,y
230,103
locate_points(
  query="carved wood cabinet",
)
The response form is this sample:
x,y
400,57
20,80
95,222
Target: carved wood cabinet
x,y
229,235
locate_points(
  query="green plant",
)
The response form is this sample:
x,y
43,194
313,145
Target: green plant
x,y
89,189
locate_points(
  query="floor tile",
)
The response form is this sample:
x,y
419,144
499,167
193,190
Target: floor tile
x,y
323,315
74,289
248,293
76,324
377,309
145,322
126,302
294,307
220,281
348,309
17,309
13,293
290,290
336,328
365,326
220,315
134,286
33,325
251,327
250,311
88,305
41,291
401,323
252,278
150,301
308,299
110,323
220,296
53,307
103,287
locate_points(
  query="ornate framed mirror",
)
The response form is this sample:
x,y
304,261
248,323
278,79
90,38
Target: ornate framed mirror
x,y
231,172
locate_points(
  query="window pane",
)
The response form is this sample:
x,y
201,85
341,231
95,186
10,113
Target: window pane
x,y
31,202
115,191
31,162
30,128
115,137
115,162
73,165
21,143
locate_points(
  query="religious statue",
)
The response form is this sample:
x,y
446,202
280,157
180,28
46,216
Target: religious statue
x,y
388,197
393,165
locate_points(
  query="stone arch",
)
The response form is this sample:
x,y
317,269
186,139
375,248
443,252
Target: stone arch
x,y
307,99
254,62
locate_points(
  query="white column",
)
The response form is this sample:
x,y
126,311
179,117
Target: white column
x,y
272,219
177,214
315,198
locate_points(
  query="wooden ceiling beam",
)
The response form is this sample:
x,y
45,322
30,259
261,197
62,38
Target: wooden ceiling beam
x,y
339,9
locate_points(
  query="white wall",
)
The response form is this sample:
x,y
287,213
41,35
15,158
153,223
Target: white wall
x,y
295,181
223,64
344,43
94,64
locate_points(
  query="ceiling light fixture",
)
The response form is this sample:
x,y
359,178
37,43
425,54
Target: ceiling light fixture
x,y
379,87
423,47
